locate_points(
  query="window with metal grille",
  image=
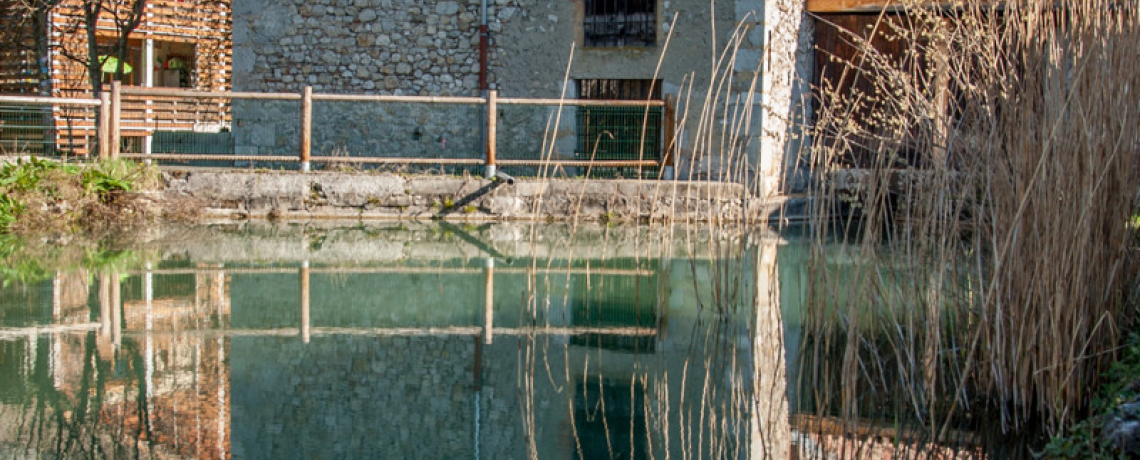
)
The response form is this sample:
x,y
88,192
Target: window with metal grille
x,y
620,23
620,133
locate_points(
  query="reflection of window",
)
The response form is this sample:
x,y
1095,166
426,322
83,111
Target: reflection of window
x,y
609,419
622,306
620,23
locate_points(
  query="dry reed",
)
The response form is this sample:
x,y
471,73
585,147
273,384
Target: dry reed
x,y
1002,148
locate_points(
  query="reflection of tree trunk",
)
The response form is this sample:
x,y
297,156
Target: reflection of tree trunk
x,y
771,430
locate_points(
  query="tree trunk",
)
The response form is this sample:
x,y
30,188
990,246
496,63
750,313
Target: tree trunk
x,y
91,10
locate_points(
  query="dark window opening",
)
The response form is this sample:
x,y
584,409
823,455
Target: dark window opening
x,y
620,23
620,133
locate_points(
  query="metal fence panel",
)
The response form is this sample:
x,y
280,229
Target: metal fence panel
x,y
620,133
347,130
47,131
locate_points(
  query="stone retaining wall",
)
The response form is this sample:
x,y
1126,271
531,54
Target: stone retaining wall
x,y
390,196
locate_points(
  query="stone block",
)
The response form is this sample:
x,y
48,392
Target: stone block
x,y
341,190
435,186
446,8
529,189
748,59
262,135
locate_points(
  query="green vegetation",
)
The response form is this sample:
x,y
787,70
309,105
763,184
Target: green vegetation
x,y
1084,440
26,261
44,194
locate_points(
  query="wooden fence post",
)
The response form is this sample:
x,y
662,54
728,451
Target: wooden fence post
x,y
306,127
669,118
104,134
492,132
116,118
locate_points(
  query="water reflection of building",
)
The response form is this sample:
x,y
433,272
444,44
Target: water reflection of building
x,y
185,373
624,355
149,379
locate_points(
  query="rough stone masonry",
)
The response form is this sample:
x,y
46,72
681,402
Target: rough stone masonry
x,y
536,49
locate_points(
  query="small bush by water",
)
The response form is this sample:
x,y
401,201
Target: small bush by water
x,y
1096,436
43,195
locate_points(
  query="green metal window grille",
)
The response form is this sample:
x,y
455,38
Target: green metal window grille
x,y
620,133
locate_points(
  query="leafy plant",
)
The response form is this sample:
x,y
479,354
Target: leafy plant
x,y
110,176
26,185
10,210
25,176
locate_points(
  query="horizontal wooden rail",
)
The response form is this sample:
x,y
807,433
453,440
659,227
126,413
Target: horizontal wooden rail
x,y
572,163
390,98
49,100
384,160
581,102
174,92
144,91
207,157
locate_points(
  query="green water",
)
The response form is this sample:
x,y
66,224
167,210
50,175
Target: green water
x,y
396,340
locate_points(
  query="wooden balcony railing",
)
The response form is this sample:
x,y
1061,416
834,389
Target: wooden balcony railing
x,y
147,114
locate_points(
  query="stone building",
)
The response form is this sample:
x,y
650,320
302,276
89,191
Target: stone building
x,y
731,66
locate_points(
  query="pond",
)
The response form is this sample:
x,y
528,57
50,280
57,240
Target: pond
x,y
423,340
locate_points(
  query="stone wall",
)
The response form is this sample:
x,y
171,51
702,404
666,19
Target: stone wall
x,y
390,196
412,47
407,397
356,46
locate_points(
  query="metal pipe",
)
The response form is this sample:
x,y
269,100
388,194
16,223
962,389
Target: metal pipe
x,y
484,38
483,43
502,176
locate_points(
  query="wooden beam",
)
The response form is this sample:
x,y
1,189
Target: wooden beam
x,y
867,6
847,6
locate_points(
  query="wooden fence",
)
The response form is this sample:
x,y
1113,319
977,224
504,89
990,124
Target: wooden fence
x,y
156,109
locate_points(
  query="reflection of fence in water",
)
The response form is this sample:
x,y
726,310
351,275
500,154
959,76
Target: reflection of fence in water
x,y
305,283
601,299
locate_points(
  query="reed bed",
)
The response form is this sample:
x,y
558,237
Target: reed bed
x,y
991,274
